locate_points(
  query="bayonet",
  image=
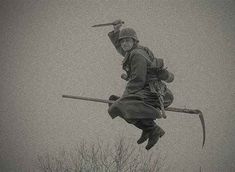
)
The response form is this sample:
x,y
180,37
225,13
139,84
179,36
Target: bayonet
x,y
107,24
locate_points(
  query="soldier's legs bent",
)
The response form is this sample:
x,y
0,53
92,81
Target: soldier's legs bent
x,y
150,130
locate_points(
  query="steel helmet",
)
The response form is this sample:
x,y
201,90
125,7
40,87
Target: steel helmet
x,y
128,33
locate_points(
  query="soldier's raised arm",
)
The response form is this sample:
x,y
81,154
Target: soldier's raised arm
x,y
114,36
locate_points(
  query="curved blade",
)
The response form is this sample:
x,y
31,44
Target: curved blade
x,y
203,127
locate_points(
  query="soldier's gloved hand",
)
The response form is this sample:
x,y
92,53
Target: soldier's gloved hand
x,y
114,98
117,24
124,76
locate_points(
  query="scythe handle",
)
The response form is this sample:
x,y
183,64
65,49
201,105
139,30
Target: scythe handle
x,y
173,109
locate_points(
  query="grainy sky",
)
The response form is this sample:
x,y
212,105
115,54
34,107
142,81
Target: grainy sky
x,y
48,48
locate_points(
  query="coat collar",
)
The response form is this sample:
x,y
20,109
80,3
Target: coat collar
x,y
127,54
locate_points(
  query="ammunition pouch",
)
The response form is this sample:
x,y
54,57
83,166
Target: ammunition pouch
x,y
157,86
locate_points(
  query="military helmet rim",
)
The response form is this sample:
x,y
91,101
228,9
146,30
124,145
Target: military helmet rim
x,y
128,33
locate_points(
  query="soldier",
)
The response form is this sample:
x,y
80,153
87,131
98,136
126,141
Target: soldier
x,y
139,105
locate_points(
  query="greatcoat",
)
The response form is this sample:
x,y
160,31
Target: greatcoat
x,y
138,101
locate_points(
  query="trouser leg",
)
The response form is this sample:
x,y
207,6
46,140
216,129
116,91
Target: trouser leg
x,y
143,124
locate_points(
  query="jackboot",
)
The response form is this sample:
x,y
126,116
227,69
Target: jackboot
x,y
154,136
144,136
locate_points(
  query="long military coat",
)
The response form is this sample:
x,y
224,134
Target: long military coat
x,y
137,101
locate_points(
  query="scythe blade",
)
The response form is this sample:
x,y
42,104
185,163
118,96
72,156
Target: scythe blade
x,y
192,111
203,127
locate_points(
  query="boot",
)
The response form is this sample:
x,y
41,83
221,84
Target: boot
x,y
154,136
144,136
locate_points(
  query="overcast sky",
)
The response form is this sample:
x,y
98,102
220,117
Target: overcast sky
x,y
48,48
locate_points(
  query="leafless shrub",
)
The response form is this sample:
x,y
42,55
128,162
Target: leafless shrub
x,y
123,156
